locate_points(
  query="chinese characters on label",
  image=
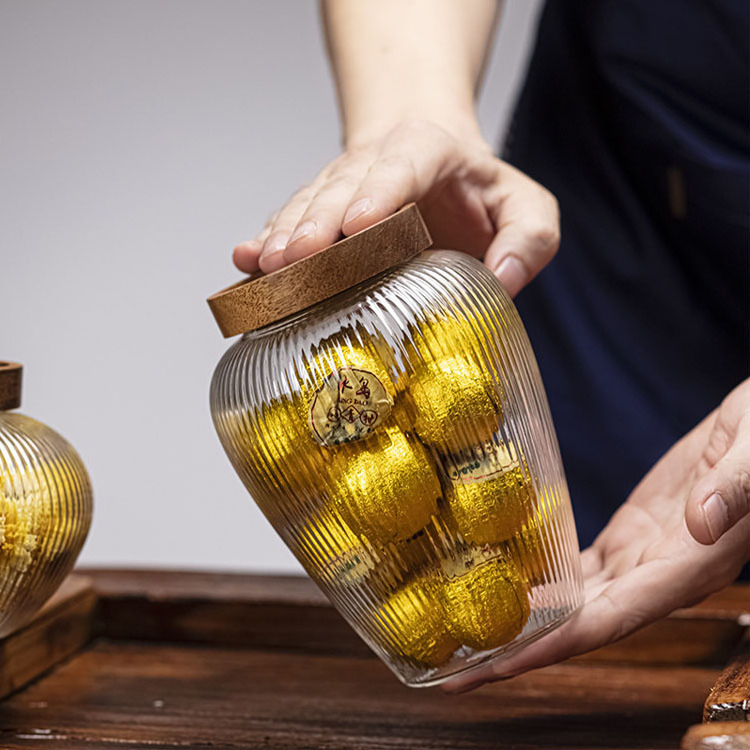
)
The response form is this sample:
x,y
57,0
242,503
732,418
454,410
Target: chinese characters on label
x,y
348,405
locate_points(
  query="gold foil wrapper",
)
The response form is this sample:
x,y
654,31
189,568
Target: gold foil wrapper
x,y
454,403
332,551
447,336
290,436
415,621
488,605
385,488
532,558
455,389
533,545
280,445
488,493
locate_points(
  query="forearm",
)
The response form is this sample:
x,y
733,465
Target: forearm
x,y
407,73
396,60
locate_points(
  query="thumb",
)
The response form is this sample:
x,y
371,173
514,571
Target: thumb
x,y
721,498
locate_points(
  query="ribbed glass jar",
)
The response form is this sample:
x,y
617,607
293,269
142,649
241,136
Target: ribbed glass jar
x,y
45,514
397,436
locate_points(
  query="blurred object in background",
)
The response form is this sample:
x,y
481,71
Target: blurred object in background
x,y
45,507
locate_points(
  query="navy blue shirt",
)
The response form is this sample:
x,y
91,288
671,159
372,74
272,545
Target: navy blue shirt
x,y
635,115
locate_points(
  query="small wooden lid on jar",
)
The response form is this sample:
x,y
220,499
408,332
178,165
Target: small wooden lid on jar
x,y
10,385
263,299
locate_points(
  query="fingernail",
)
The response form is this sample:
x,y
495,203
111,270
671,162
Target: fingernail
x,y
272,257
275,244
512,274
249,244
716,513
358,208
307,229
272,262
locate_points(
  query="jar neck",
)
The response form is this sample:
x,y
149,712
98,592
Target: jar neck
x,y
283,324
320,310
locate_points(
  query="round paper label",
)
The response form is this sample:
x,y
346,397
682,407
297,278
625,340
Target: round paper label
x,y
348,405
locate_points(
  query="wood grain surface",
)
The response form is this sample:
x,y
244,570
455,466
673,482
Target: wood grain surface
x,y
120,694
729,699
722,735
172,607
11,376
263,299
62,626
199,660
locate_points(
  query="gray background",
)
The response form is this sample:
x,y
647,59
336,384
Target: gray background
x,y
139,141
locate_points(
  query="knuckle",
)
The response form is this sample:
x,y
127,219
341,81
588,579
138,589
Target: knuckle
x,y
743,489
546,237
300,195
400,168
555,206
339,181
395,161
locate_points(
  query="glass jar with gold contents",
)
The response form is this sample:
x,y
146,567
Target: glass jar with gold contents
x,y
384,409
45,507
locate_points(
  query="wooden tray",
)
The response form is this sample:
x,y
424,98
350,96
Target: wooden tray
x,y
126,659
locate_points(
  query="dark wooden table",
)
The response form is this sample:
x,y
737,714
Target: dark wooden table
x,y
125,659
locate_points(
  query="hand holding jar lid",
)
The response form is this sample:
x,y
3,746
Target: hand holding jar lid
x,y
383,410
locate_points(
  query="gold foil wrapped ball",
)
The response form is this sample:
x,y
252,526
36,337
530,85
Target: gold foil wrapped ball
x,y
534,544
278,445
385,488
488,494
447,336
488,605
454,403
455,388
286,441
530,552
414,621
331,551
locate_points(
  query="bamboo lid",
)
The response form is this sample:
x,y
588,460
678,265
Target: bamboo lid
x,y
10,385
263,299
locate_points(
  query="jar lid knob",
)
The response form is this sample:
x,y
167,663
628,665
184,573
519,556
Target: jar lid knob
x,y
263,299
10,385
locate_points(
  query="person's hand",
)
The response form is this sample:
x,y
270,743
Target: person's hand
x,y
683,534
470,200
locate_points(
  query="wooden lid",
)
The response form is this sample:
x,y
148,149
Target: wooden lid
x,y
263,299
10,385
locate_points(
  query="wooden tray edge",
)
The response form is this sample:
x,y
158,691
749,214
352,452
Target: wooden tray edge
x,y
65,624
281,612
